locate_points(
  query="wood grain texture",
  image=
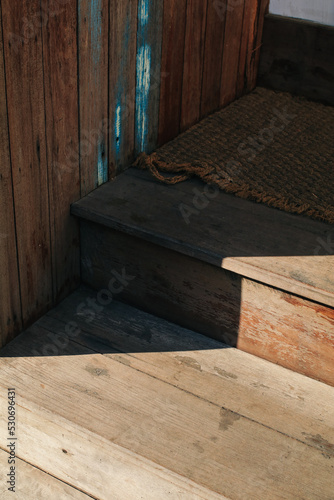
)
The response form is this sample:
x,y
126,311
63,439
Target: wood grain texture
x,y
10,304
247,53
148,74
160,434
34,484
296,57
61,97
173,40
193,64
213,59
232,43
26,114
122,83
93,26
285,329
282,250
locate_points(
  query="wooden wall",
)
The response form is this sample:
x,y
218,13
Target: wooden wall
x,y
85,86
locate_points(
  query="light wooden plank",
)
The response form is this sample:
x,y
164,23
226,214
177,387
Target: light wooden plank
x,y
89,461
10,304
193,63
122,83
34,484
173,40
279,249
148,74
181,432
93,24
26,115
261,391
61,92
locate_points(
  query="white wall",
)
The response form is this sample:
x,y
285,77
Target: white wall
x,y
321,11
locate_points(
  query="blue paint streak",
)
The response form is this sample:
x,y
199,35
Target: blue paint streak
x,y
102,164
142,96
143,9
118,125
143,71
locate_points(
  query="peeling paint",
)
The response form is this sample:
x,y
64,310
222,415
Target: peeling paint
x,y
143,10
142,95
118,125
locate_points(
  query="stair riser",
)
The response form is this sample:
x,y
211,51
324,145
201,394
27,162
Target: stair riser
x,y
258,319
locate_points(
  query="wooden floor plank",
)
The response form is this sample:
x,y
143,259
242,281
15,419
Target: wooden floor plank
x,y
10,304
282,250
96,465
175,427
34,484
261,391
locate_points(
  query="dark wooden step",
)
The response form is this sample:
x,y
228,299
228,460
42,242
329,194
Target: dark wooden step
x,y
248,275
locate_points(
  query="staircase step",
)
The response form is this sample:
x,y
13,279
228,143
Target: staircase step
x,y
246,274
117,403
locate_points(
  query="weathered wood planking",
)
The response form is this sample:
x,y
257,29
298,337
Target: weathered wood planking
x,y
297,57
93,24
122,83
213,58
193,63
278,326
251,38
26,114
34,484
62,134
150,430
173,39
89,460
233,33
246,54
10,303
148,74
271,395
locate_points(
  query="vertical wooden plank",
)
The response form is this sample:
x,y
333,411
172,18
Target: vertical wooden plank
x,y
173,39
122,82
233,31
263,10
213,58
10,302
26,115
93,21
61,94
193,62
247,52
149,39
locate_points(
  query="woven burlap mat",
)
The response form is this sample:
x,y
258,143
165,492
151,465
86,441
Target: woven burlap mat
x,y
268,146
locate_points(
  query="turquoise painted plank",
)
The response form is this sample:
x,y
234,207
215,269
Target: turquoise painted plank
x,y
148,70
122,82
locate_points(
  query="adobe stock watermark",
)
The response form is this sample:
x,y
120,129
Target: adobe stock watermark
x,y
32,25
90,309
247,151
